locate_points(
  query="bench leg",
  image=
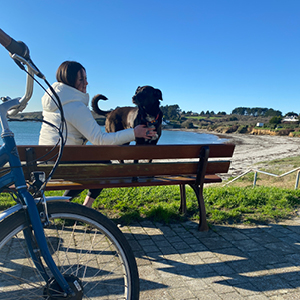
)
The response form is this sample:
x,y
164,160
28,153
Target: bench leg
x,y
182,208
202,212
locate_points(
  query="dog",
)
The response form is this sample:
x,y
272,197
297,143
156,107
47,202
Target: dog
x,y
147,112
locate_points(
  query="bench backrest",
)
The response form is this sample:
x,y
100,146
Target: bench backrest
x,y
84,161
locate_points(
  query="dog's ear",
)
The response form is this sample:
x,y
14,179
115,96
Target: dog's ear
x,y
158,94
135,98
138,89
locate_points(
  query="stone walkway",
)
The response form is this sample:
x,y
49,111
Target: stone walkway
x,y
229,262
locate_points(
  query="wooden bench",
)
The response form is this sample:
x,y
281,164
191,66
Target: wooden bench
x,y
172,165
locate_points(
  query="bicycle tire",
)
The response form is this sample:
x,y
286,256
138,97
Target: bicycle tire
x,y
82,242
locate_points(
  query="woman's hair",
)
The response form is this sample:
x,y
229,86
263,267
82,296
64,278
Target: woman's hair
x,y
67,72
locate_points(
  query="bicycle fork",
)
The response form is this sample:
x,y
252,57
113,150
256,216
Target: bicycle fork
x,y
42,245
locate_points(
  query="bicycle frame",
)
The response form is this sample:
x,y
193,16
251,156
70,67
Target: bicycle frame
x,y
9,154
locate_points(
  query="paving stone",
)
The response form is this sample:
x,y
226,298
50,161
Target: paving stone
x,y
150,249
214,243
223,269
231,296
191,258
181,293
181,245
265,257
146,242
231,254
245,289
168,250
207,295
258,297
280,248
278,231
264,238
135,245
294,258
163,243
245,266
158,238
204,270
291,296
156,294
198,247
196,284
266,283
248,245
174,239
233,236
154,256
174,281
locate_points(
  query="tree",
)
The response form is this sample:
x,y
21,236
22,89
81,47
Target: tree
x,y
222,113
273,113
256,111
239,111
171,112
275,120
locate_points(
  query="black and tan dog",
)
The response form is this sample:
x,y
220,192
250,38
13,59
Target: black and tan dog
x,y
147,112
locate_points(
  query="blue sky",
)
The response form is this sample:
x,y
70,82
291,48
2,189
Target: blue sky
x,y
204,55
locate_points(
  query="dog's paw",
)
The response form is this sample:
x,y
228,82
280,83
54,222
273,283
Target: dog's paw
x,y
155,137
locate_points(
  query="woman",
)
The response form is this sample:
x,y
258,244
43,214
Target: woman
x,y
81,126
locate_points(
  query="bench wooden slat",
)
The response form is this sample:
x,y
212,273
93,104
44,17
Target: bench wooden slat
x,y
126,182
131,152
73,171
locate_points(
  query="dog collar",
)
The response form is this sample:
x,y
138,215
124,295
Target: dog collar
x,y
153,122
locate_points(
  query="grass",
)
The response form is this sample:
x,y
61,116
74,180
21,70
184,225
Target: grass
x,y
251,205
271,200
224,205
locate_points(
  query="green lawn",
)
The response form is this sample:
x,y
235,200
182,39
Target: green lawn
x,y
223,204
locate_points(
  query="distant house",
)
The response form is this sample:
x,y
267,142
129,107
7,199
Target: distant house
x,y
290,119
259,124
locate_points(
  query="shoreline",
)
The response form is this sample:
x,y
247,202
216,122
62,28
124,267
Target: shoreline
x,y
253,149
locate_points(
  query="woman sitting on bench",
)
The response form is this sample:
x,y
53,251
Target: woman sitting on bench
x,y
81,126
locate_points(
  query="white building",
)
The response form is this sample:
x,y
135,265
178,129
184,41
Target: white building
x,y
293,118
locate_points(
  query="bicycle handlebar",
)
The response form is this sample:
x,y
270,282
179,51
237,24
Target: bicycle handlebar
x,y
13,46
19,52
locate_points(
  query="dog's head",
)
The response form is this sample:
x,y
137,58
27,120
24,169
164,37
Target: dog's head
x,y
147,97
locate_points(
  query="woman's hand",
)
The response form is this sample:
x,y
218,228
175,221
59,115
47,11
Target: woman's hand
x,y
141,131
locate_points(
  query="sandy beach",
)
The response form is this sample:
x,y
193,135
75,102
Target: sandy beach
x,y
252,149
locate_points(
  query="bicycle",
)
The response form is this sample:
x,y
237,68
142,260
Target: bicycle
x,y
51,248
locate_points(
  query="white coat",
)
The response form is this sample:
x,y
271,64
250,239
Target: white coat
x,y
81,126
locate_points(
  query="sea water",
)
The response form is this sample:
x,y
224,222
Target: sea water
x,y
27,133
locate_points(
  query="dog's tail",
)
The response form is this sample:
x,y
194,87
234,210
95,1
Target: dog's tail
x,y
95,106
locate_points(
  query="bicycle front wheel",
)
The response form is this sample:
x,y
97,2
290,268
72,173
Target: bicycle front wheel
x,y
84,244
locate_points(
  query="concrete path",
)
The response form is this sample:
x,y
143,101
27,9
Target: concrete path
x,y
229,262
